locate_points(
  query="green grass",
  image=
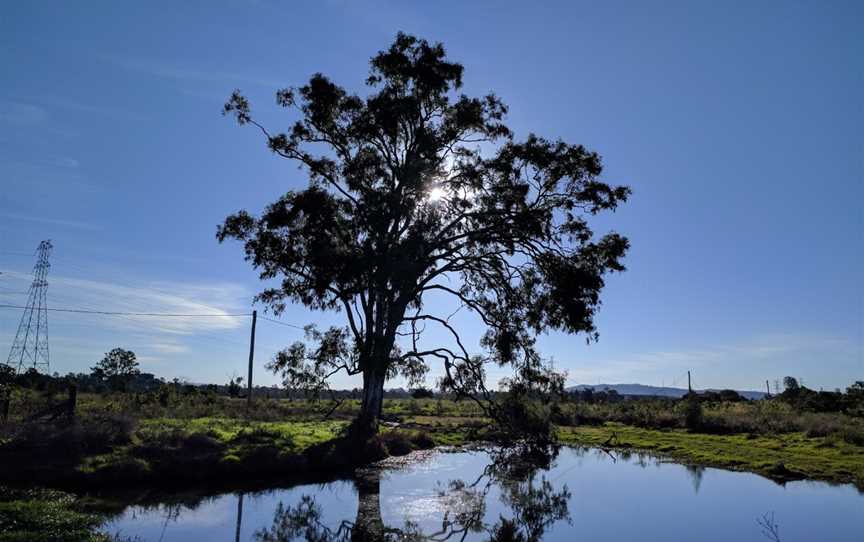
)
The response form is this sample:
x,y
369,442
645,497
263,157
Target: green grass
x,y
201,437
211,450
295,437
201,405
790,455
823,458
199,451
43,515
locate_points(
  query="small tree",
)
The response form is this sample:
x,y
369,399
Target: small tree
x,y
422,393
234,385
403,204
117,369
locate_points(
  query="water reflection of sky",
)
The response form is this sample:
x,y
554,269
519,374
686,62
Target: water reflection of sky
x,y
635,498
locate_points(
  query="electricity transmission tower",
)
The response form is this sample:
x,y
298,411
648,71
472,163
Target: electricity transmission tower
x,y
30,347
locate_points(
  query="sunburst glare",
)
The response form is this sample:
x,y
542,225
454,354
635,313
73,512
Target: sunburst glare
x,y
436,194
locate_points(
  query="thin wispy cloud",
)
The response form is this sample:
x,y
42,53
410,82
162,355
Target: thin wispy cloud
x,y
53,221
185,73
25,115
169,348
29,169
100,109
40,109
22,113
64,162
219,301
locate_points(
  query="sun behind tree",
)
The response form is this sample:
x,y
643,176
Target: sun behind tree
x,y
401,204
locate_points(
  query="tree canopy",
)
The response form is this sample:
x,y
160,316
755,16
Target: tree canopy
x,y
117,368
418,189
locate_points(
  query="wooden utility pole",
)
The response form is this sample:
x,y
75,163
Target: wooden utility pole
x,y
689,387
251,355
768,389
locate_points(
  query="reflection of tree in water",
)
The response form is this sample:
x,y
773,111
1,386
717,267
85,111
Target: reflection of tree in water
x,y
696,473
640,459
172,513
533,503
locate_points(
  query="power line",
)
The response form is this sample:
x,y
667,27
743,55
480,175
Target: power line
x,y
116,313
281,323
157,314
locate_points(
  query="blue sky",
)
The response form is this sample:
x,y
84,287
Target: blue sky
x,y
737,124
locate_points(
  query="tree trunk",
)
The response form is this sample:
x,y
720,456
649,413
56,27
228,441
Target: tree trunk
x,y
366,423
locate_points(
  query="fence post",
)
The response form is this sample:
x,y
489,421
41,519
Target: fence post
x,y
4,405
70,405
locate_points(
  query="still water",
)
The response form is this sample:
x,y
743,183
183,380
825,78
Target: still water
x,y
574,494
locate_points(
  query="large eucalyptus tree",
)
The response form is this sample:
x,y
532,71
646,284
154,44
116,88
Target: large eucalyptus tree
x,y
418,190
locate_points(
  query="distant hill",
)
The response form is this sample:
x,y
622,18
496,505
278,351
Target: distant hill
x,y
654,391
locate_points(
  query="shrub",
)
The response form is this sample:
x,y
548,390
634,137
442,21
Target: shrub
x,y
262,435
126,469
374,449
85,436
520,417
162,446
397,442
101,433
694,418
422,393
414,407
853,435
423,441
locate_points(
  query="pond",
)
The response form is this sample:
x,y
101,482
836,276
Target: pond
x,y
573,494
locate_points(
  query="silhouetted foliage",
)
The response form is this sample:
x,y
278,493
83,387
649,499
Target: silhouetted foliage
x,y
401,204
422,393
117,368
769,527
7,375
234,384
722,396
694,418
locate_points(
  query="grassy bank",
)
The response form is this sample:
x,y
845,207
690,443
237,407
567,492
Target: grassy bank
x,y
120,438
201,452
106,452
781,457
218,452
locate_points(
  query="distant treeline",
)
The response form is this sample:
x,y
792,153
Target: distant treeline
x,y
95,382
600,396
797,396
